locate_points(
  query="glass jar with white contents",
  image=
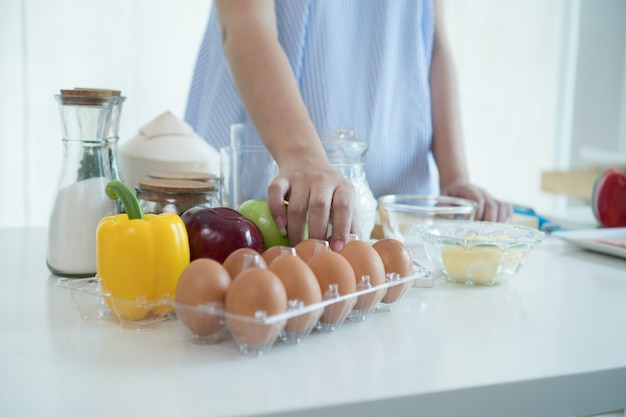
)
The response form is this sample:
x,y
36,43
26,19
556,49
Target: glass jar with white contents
x,y
346,153
81,200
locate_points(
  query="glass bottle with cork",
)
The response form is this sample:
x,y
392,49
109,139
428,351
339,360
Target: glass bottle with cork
x,y
86,168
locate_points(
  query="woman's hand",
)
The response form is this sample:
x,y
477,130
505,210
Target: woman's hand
x,y
317,193
489,209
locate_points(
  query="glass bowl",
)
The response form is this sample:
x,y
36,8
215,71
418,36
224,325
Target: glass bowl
x,y
477,253
399,213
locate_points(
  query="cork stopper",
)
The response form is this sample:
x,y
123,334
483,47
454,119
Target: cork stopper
x,y
183,175
176,186
90,91
88,96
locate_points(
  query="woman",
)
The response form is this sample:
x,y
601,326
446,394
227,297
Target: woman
x,y
381,67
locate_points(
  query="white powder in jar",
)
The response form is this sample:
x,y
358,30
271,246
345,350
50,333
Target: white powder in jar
x,y
71,248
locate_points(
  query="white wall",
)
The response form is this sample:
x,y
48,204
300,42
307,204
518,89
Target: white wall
x,y
146,48
507,54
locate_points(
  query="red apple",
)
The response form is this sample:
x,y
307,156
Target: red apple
x,y
217,232
608,198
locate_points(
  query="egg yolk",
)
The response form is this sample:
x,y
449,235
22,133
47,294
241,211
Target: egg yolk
x,y
479,264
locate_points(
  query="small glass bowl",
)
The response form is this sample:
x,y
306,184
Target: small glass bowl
x,y
477,253
399,213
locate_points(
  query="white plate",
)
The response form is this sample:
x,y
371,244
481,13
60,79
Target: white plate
x,y
597,240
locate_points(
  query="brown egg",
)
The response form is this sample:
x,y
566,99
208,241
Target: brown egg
x,y
241,259
397,259
395,255
203,281
301,284
255,290
330,268
365,261
275,251
309,247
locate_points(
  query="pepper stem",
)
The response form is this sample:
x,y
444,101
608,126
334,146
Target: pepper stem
x,y
117,189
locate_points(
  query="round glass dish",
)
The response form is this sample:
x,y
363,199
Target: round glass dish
x,y
477,253
399,213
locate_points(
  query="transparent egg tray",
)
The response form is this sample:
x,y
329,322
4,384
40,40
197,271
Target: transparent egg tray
x,y
253,336
95,303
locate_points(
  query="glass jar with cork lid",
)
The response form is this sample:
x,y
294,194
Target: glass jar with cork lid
x,y
157,195
86,168
187,175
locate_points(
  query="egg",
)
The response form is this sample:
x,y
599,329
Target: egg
x,y
275,251
478,264
397,259
305,249
241,259
365,261
332,268
203,281
395,255
333,271
255,292
302,285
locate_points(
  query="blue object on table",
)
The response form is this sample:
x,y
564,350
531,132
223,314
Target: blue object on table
x,y
544,224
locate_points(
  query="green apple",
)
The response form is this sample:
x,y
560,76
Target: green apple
x,y
259,212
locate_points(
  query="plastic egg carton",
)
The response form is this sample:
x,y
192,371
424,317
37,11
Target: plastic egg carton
x,y
94,302
255,336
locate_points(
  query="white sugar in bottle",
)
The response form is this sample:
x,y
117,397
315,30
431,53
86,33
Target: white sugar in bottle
x,y
81,201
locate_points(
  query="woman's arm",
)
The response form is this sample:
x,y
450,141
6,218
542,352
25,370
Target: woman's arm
x,y
270,94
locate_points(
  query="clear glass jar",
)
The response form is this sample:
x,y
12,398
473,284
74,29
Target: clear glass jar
x,y
248,168
113,136
346,153
80,200
175,196
112,133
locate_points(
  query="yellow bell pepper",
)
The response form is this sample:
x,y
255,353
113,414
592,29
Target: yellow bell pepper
x,y
139,258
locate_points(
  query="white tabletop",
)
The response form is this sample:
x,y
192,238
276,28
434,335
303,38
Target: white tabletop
x,y
552,342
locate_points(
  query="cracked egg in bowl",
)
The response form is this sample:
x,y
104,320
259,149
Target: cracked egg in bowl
x,y
477,253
